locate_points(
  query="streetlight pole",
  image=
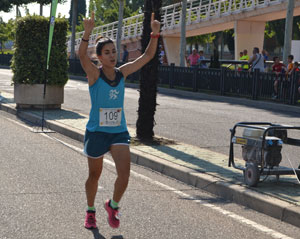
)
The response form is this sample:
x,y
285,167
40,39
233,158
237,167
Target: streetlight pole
x,y
288,30
183,34
74,17
120,25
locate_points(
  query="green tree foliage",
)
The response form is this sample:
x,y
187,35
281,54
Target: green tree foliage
x,y
106,11
169,2
274,36
81,12
135,5
46,2
6,31
201,39
228,36
7,5
30,56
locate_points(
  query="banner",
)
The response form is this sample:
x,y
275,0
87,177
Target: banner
x,y
51,28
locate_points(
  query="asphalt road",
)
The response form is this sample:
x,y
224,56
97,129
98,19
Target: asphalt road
x,y
200,121
42,195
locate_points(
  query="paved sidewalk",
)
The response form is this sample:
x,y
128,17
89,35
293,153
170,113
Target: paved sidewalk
x,y
193,165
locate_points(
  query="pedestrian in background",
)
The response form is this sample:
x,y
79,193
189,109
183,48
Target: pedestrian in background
x,y
201,58
278,68
125,54
297,69
106,129
290,66
257,60
266,58
241,58
245,57
193,58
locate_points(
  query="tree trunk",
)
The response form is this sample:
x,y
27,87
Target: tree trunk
x,y
149,78
41,9
120,25
74,17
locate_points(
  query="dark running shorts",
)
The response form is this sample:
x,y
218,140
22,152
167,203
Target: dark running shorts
x,y
96,144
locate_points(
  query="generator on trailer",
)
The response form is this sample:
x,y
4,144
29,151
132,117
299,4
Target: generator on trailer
x,y
262,144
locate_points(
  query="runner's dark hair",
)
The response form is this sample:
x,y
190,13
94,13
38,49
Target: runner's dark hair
x,y
100,43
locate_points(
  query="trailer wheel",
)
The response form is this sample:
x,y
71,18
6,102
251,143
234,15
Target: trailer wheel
x,y
298,176
251,175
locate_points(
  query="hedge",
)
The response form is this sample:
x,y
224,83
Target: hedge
x,y
31,48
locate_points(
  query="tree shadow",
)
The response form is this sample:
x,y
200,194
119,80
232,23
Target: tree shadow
x,y
205,199
277,108
54,114
200,164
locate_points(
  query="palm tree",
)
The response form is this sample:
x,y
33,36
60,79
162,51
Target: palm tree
x,y
149,78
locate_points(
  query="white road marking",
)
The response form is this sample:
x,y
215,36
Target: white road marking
x,y
242,220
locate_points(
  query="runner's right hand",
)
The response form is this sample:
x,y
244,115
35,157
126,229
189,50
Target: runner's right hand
x,y
89,23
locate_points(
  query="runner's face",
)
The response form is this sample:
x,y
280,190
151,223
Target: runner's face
x,y
108,55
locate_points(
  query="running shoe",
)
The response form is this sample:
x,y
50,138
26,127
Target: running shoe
x,y
90,220
113,215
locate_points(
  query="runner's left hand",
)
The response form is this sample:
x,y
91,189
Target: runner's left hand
x,y
155,25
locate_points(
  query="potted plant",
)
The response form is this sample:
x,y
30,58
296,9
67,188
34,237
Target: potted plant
x,y
30,59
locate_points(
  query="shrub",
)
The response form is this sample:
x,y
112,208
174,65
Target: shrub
x,y
31,48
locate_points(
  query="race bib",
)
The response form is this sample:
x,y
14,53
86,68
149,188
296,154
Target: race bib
x,y
110,117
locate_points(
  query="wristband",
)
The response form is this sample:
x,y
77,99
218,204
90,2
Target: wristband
x,y
154,36
84,40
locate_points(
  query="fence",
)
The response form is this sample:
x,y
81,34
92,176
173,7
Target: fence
x,y
5,59
254,85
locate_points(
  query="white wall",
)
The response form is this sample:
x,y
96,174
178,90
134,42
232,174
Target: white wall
x,y
295,51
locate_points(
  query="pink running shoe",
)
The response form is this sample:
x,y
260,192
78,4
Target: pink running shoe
x,y
90,220
113,214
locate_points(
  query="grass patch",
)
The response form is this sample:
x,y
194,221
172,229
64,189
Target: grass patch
x,y
7,51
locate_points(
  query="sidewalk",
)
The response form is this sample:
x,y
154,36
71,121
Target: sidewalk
x,y
196,166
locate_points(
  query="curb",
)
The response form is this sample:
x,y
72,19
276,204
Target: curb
x,y
4,67
260,202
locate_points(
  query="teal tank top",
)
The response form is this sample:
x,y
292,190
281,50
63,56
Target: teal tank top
x,y
107,100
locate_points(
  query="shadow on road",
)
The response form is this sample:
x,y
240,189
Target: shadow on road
x,y
275,107
201,165
97,234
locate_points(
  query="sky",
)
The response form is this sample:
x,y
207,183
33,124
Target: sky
x,y
35,8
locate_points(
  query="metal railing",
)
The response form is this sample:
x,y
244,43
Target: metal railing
x,y
253,85
197,11
5,59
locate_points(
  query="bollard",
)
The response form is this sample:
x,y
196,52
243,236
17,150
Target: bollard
x,y
195,70
293,90
171,76
222,80
255,77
